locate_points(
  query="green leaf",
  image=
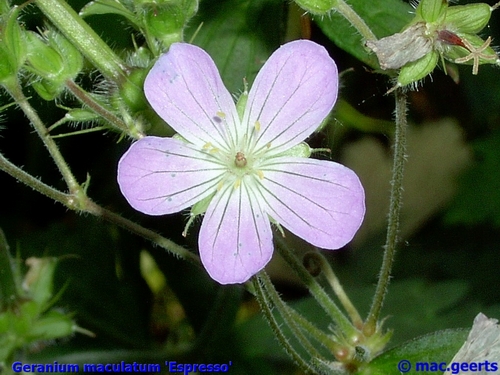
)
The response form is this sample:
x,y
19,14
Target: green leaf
x,y
384,17
239,35
436,347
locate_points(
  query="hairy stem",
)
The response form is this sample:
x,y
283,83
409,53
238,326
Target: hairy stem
x,y
288,318
266,307
17,94
339,290
359,24
81,203
98,108
395,203
316,290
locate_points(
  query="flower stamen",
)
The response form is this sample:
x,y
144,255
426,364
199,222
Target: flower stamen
x,y
257,126
210,148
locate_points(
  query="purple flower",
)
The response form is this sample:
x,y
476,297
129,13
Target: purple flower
x,y
246,167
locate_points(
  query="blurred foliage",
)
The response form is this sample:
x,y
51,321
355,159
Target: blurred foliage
x,y
443,276
479,199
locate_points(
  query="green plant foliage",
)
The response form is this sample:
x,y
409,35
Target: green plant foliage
x,y
478,200
435,347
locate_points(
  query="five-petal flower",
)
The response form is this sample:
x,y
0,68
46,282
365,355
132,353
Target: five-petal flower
x,y
241,163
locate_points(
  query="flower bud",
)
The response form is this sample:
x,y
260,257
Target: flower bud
x,y
43,59
81,115
55,60
166,20
131,91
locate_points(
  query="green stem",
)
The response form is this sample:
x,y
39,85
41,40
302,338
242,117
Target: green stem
x,y
8,287
96,210
313,331
339,291
317,291
79,132
17,93
34,182
84,38
266,307
284,311
81,203
395,203
359,24
97,107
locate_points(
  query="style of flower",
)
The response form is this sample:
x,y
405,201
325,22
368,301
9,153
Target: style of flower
x,y
242,165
